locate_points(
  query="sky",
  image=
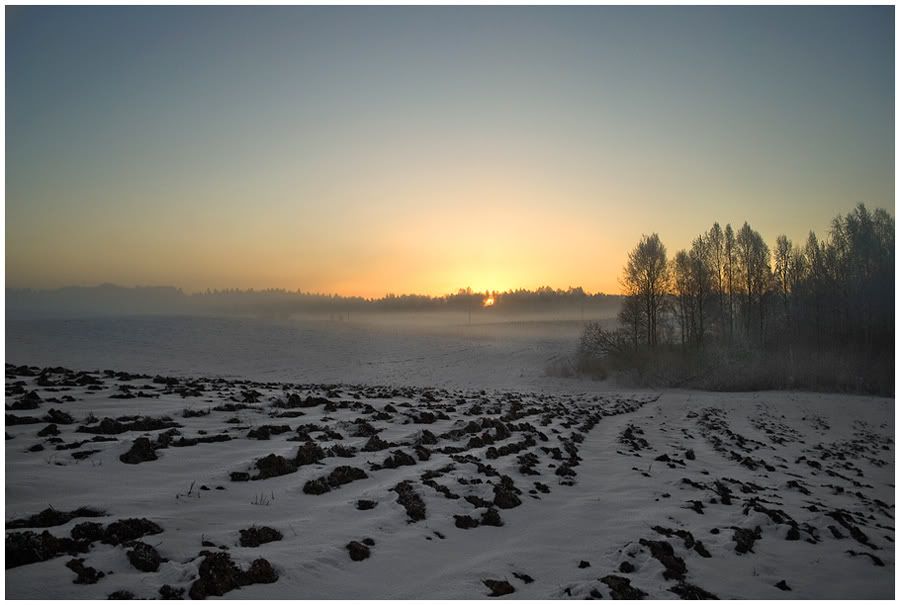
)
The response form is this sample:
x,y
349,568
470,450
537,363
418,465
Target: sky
x,y
367,150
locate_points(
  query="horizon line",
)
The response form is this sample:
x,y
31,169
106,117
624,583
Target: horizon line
x,y
299,291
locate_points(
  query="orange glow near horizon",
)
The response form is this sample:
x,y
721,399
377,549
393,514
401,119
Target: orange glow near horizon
x,y
363,152
489,301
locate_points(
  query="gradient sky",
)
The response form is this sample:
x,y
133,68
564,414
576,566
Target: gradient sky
x,y
396,149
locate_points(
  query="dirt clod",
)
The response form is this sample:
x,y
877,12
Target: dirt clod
x,y
358,551
498,588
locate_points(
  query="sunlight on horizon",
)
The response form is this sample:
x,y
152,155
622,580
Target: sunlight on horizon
x,y
423,150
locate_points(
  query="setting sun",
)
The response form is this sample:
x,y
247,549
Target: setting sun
x,y
489,301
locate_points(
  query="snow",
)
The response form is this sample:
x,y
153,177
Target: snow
x,y
434,350
618,494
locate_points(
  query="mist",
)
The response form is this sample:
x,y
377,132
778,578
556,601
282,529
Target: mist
x,y
465,306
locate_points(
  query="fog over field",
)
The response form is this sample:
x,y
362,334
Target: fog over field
x,y
437,349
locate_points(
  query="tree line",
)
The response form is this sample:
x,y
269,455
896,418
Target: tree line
x,y
109,299
817,313
285,302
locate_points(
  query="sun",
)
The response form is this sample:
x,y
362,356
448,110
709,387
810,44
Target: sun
x,y
489,301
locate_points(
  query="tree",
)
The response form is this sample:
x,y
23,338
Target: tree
x,y
730,262
753,267
682,285
647,276
831,301
783,273
814,261
716,240
702,274
632,317
744,245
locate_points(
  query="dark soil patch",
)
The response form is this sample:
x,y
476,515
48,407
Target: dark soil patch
x,y
492,518
108,426
410,500
192,441
465,522
316,487
29,401
266,431
686,536
505,493
745,539
343,475
689,591
358,551
375,444
144,557
273,466
856,533
51,430
218,575
57,417
309,453
498,588
142,450
621,588
256,536
170,593
875,560
338,477
398,458
127,530
87,532
24,548
12,420
50,517
84,574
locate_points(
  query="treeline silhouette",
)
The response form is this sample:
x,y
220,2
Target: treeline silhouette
x,y
108,299
731,313
286,303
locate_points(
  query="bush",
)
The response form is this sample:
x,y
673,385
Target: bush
x,y
604,353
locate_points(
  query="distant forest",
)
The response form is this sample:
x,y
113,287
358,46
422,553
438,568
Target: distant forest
x,y
109,299
731,313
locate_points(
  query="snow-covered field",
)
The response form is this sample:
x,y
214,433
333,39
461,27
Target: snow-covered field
x,y
450,492
425,349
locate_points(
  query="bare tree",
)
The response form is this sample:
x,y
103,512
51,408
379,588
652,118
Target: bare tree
x,y
730,262
744,245
646,276
682,286
716,240
831,301
702,277
783,277
815,263
631,316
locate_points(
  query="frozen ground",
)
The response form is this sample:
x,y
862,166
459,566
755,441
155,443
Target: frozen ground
x,y
599,493
424,349
420,349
